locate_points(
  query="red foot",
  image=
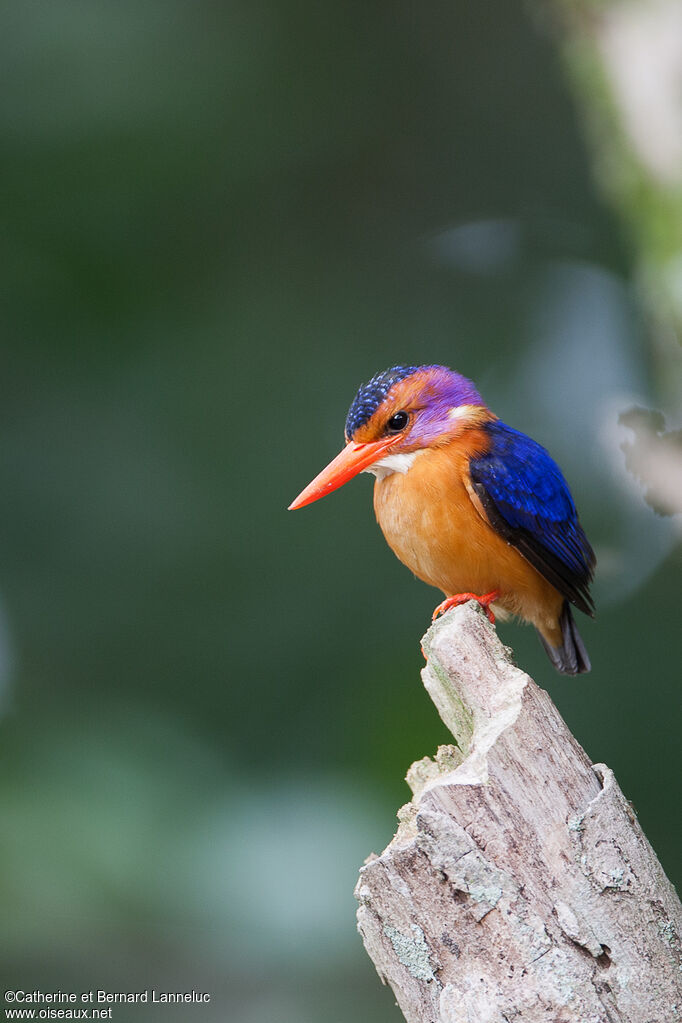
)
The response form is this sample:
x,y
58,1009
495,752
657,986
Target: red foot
x,y
461,598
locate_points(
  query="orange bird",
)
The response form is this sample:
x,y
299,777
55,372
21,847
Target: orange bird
x,y
469,504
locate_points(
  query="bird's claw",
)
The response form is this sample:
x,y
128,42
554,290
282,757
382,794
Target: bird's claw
x,y
485,600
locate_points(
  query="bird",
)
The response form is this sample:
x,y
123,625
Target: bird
x,y
470,505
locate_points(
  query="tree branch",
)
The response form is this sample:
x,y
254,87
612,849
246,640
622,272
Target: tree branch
x,y
519,885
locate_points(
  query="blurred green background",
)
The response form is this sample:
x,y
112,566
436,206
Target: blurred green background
x,y
218,219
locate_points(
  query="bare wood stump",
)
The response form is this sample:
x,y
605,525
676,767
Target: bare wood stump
x,y
519,885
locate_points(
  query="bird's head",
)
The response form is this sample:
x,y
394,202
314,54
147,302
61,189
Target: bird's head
x,y
399,413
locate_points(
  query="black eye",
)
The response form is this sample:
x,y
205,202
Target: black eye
x,y
397,422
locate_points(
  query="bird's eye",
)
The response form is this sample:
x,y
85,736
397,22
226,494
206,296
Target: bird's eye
x,y
397,422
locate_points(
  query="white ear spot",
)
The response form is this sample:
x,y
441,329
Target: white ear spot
x,y
462,411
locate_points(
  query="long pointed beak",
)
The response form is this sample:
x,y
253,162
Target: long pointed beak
x,y
348,463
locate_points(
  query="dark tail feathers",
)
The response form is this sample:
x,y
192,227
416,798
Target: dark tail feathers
x,y
571,657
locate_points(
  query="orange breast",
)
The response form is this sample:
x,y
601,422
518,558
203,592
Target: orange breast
x,y
432,525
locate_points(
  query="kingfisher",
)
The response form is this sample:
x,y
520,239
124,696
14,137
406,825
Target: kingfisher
x,y
470,505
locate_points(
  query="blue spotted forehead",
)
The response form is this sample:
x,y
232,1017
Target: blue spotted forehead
x,y
370,396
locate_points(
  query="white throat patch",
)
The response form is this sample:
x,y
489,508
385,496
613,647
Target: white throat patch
x,y
393,463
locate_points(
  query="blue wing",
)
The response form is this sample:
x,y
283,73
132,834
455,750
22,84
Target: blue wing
x,y
527,501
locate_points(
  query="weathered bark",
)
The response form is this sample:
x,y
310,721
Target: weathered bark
x,y
519,885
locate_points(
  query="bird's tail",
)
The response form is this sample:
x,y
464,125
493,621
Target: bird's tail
x,y
571,657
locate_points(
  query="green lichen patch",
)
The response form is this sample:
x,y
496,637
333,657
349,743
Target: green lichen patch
x,y
412,951
454,712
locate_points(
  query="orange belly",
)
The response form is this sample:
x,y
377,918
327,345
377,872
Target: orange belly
x,y
432,525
